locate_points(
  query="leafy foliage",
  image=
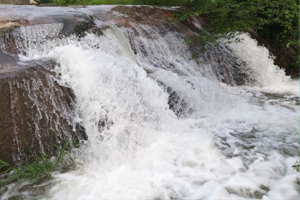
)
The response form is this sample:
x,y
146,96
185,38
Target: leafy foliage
x,y
296,166
66,2
276,21
43,1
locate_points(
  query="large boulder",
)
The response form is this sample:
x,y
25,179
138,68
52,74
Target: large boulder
x,y
34,109
17,33
16,2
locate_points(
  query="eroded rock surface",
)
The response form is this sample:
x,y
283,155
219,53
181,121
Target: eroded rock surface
x,y
33,107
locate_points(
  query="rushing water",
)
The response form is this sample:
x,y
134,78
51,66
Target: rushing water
x,y
219,141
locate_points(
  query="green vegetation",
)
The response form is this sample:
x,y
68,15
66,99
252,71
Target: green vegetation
x,y
37,165
296,166
276,21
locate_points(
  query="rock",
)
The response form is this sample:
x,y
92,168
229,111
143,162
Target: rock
x,y
7,58
16,2
80,132
136,16
76,23
73,23
33,107
104,123
176,103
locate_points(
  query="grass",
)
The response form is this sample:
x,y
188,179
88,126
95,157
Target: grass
x,y
37,166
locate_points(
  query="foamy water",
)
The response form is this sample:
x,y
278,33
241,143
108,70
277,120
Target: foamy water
x,y
229,142
267,75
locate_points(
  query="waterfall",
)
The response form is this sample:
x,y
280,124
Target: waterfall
x,y
161,125
263,70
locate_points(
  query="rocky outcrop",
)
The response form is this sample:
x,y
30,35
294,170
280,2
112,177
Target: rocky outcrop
x,y
137,16
13,32
34,107
148,23
16,2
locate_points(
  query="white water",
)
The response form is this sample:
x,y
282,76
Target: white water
x,y
229,143
268,76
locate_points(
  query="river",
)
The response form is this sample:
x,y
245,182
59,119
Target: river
x,y
172,127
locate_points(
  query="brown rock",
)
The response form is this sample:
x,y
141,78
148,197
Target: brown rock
x,y
33,106
16,2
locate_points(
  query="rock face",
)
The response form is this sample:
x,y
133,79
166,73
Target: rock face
x,y
33,106
15,34
142,22
16,2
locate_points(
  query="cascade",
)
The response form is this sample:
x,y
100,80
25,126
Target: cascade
x,y
162,126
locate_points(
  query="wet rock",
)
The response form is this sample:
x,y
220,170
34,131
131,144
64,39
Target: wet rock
x,y
135,19
234,73
104,123
176,103
33,108
136,16
14,197
73,23
6,39
7,58
16,2
76,23
148,22
8,26
81,133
